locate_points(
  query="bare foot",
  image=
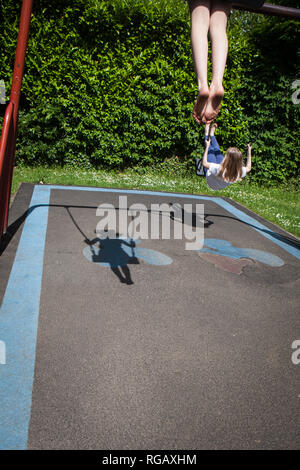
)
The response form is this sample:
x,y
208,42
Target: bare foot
x,y
214,103
201,101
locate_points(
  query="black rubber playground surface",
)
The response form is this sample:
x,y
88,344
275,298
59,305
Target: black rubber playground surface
x,y
142,344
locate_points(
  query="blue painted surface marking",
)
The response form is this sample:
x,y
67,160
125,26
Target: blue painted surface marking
x,y
260,228
20,306
153,257
224,248
18,326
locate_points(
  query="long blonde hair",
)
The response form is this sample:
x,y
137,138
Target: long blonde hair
x,y
231,166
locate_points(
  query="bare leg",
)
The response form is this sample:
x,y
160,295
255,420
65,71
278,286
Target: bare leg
x,y
213,128
218,36
200,17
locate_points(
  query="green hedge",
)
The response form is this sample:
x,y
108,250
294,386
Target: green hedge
x,y
111,83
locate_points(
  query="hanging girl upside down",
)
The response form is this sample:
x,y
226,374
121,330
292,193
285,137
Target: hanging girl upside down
x,y
222,171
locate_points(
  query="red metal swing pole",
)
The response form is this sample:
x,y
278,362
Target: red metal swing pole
x,y
10,124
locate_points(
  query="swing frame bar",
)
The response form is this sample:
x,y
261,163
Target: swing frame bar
x,y
272,10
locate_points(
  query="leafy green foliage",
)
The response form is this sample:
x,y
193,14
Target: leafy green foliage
x,y
112,84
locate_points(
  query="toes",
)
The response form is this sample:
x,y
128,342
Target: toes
x,y
196,118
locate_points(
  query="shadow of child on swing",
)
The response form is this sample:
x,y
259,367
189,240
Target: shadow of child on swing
x,y
111,251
